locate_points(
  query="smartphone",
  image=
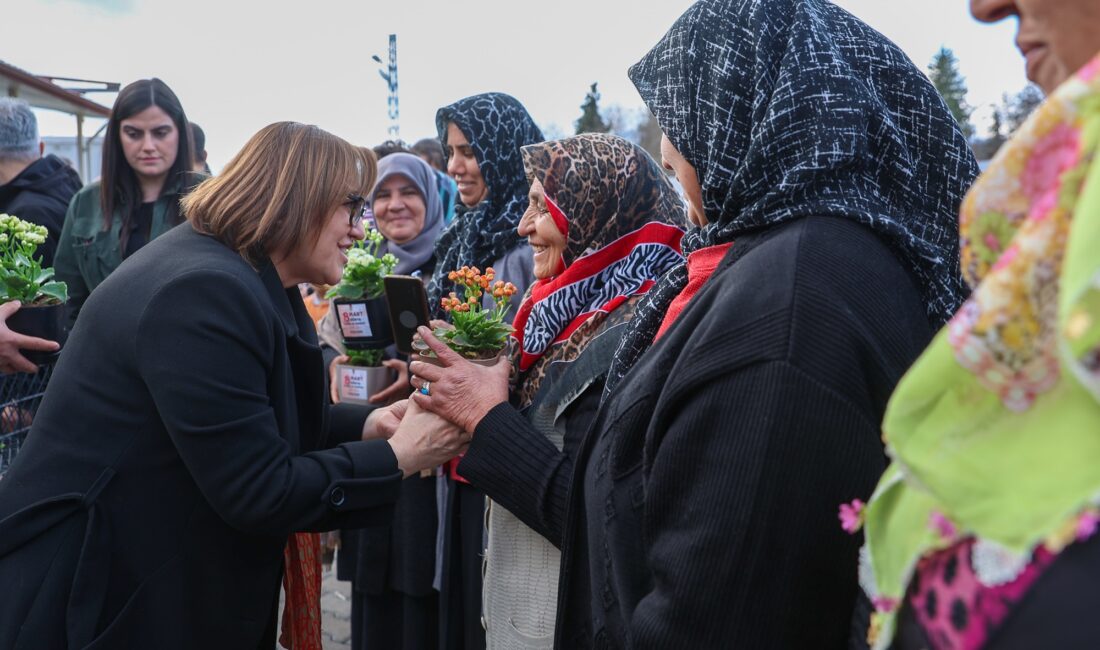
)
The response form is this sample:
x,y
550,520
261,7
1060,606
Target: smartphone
x,y
408,306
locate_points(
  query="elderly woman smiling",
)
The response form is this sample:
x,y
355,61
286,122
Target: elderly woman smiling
x,y
184,434
603,223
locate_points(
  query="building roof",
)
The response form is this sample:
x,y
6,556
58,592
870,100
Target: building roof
x,y
40,93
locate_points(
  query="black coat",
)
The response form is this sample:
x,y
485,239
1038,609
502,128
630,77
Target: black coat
x,y
171,457
703,510
41,194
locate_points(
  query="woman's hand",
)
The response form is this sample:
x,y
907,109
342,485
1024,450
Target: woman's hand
x,y
383,422
333,380
424,440
461,392
399,389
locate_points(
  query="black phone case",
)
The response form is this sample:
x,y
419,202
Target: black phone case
x,y
408,306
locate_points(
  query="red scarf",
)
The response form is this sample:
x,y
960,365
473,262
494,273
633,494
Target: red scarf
x,y
700,266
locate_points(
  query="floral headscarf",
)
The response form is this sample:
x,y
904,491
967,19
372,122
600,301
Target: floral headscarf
x,y
995,431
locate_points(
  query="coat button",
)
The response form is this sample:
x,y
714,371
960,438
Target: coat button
x,y
336,497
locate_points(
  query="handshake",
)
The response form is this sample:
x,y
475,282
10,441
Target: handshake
x,y
437,423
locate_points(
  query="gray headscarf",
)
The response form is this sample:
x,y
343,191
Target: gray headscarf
x,y
415,253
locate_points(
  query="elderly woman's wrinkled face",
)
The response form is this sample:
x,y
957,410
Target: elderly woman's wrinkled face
x,y
546,240
462,166
399,209
689,180
1056,37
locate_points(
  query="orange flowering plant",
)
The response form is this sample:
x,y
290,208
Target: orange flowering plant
x,y
478,332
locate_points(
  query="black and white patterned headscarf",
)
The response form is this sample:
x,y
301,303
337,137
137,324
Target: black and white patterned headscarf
x,y
793,108
496,126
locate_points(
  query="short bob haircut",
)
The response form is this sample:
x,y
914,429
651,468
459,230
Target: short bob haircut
x,y
279,191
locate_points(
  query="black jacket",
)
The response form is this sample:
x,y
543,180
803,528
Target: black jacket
x,y
41,194
175,450
703,510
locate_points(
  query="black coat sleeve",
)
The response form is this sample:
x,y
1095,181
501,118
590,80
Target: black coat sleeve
x,y
205,354
744,481
519,468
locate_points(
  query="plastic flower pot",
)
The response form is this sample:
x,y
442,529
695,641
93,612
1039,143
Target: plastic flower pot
x,y
354,384
430,357
364,322
42,321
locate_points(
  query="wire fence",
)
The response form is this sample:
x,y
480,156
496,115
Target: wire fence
x,y
20,395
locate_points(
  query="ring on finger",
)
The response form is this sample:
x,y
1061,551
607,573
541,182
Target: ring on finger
x,y
425,388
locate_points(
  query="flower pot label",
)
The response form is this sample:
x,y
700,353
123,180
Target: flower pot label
x,y
354,322
353,383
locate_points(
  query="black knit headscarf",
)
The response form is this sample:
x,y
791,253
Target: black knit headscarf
x,y
794,108
496,126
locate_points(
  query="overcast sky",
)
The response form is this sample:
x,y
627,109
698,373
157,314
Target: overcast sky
x,y
239,65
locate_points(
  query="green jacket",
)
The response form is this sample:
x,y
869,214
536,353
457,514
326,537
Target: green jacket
x,y
86,253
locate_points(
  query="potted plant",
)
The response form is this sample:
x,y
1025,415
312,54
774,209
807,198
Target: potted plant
x,y
476,333
360,306
22,278
359,297
362,376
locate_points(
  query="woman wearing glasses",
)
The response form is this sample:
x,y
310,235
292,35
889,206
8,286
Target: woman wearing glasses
x,y
184,435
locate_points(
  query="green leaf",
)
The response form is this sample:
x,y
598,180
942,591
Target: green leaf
x,y
57,290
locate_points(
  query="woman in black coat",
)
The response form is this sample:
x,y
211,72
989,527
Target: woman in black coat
x,y
823,174
185,435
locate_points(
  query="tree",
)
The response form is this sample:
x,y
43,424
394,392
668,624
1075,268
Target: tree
x,y
590,120
649,134
945,76
1019,107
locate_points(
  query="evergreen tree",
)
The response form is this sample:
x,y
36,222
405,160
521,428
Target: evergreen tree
x,y
590,120
945,76
1018,108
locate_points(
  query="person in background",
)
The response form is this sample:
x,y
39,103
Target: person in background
x,y
390,147
823,173
184,435
982,533
482,136
394,604
431,151
604,223
147,163
33,187
198,140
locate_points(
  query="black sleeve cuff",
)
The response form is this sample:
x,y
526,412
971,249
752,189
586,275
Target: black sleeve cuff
x,y
345,423
377,478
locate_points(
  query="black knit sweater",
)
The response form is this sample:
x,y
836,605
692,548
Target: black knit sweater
x,y
704,510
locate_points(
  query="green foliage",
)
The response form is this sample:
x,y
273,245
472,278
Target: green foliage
x,y
365,358
22,277
590,120
364,271
945,76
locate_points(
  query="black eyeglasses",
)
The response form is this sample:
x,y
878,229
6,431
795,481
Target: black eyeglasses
x,y
357,207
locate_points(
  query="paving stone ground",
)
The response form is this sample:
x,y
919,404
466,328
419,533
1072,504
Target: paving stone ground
x,y
335,612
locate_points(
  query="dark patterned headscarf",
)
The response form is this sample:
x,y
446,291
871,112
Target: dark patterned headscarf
x,y
794,108
623,222
496,126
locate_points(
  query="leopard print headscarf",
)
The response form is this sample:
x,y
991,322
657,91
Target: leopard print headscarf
x,y
623,222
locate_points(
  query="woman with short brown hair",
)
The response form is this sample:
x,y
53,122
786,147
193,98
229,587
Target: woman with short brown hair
x,y
184,435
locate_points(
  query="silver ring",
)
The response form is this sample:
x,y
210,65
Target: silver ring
x,y
425,388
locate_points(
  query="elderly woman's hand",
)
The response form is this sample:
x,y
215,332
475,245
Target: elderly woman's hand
x,y
462,392
383,422
424,440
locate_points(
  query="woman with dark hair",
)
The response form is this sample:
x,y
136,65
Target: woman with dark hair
x,y
823,173
184,435
147,162
482,136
